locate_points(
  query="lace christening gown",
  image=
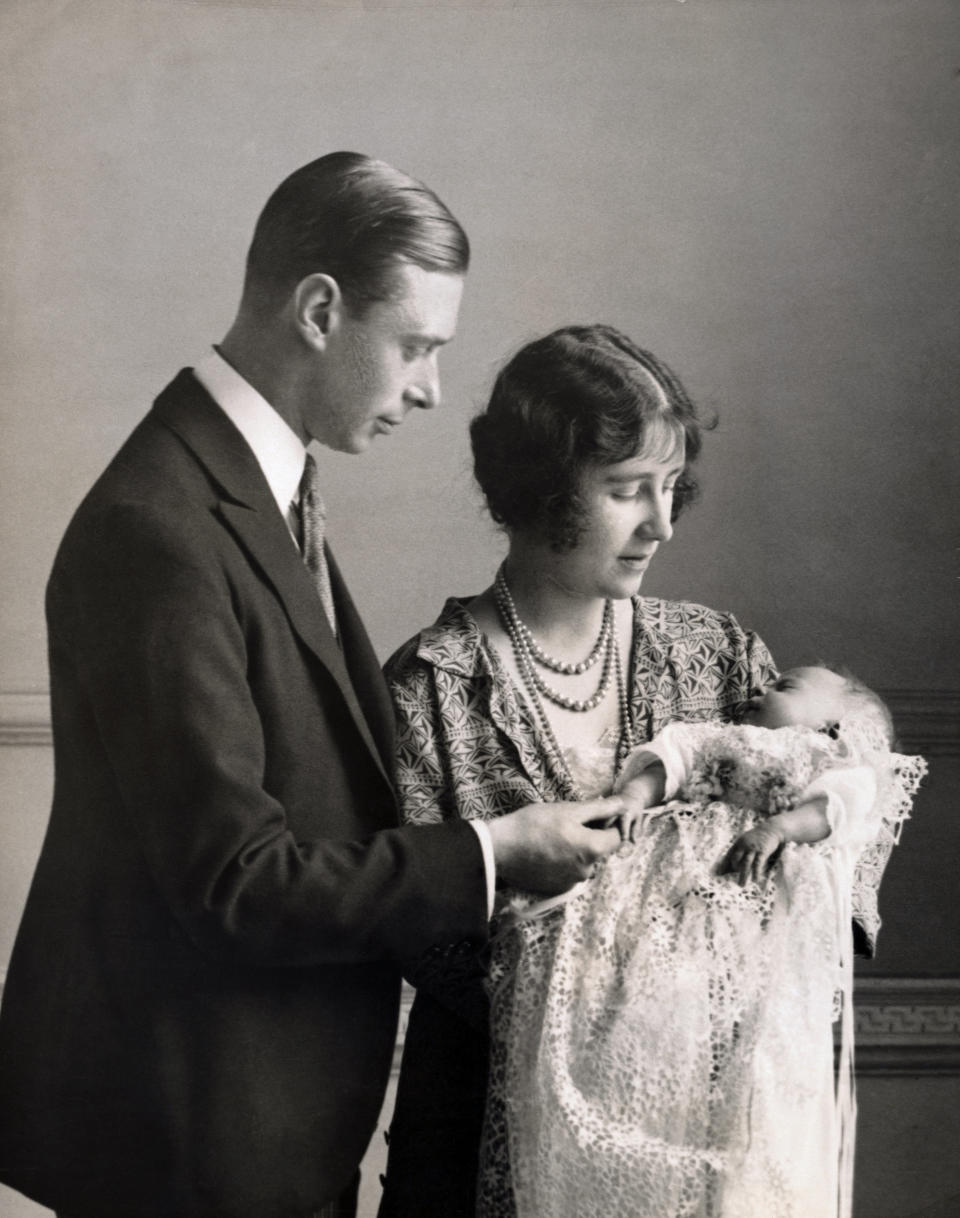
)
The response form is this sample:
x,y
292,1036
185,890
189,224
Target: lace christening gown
x,y
662,1042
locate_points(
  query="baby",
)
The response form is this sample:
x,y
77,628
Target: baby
x,y
712,761
662,1042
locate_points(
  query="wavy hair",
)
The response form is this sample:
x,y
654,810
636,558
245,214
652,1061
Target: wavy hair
x,y
581,396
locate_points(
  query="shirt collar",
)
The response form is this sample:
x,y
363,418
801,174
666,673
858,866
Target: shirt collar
x,y
277,448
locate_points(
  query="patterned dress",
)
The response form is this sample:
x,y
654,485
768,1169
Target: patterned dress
x,y
468,746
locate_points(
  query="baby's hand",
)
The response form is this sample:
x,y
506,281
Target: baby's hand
x,y
753,853
632,822
635,813
627,818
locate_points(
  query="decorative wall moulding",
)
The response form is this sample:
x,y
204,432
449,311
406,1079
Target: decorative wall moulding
x,y
907,1025
927,721
25,718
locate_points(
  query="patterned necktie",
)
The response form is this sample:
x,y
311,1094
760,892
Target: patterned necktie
x,y
313,516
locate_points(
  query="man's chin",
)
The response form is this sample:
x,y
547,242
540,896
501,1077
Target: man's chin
x,y
353,445
361,440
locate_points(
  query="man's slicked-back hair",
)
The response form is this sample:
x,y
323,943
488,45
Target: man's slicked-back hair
x,y
355,219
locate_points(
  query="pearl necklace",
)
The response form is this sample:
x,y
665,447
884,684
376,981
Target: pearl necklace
x,y
520,637
535,686
547,661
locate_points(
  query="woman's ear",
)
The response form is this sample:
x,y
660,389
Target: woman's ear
x,y
317,304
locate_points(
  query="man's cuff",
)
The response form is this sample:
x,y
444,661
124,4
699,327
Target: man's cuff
x,y
489,865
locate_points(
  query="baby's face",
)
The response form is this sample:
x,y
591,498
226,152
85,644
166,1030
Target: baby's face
x,y
803,697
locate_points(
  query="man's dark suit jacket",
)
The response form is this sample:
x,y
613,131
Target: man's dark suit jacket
x,y
201,1007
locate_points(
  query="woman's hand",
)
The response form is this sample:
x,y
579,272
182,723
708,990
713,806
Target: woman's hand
x,y
753,853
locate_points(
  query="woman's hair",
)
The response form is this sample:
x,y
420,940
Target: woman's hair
x,y
357,220
582,396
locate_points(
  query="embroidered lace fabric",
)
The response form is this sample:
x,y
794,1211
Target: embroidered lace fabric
x,y
662,1043
592,767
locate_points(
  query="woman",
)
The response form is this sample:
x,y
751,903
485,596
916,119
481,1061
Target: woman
x,y
537,689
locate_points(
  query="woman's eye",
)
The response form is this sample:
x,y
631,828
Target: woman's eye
x,y
640,489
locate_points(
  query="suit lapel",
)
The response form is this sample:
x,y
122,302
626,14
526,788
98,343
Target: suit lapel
x,y
248,509
365,673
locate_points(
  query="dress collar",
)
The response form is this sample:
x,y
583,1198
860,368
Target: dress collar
x,y
455,642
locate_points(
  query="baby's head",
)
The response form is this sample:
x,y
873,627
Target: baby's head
x,y
818,698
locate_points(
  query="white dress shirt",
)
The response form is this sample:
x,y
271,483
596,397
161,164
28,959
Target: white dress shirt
x,y
276,446
281,455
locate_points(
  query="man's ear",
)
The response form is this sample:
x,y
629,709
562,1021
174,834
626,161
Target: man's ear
x,y
318,306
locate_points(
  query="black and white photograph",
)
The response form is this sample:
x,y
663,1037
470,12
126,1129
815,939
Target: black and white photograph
x,y
479,670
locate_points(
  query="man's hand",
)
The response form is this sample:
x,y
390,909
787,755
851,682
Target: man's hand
x,y
548,848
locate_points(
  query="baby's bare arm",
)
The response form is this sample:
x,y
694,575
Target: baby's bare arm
x,y
754,852
645,790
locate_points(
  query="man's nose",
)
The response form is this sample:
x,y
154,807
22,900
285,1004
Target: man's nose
x,y
425,393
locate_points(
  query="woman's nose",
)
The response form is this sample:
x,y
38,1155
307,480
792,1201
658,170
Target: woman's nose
x,y
657,525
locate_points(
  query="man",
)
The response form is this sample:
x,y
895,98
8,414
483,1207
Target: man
x,y
201,1006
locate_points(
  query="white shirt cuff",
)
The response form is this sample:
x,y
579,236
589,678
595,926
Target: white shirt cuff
x,y
489,865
